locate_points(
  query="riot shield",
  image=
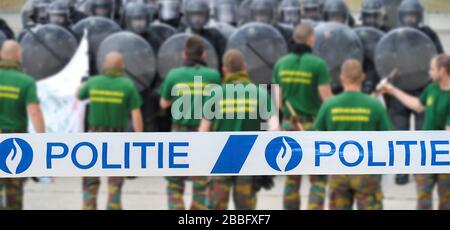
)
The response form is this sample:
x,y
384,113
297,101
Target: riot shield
x,y
409,51
138,55
170,54
46,49
336,43
262,45
2,39
225,29
369,37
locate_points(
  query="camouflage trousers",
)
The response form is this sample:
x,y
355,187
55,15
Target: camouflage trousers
x,y
291,197
175,192
91,187
13,190
365,189
244,196
425,186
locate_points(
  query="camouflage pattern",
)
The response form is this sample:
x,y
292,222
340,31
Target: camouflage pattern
x,y
291,196
365,189
91,187
12,188
425,185
244,196
176,185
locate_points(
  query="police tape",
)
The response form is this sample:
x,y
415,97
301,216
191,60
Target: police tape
x,y
222,153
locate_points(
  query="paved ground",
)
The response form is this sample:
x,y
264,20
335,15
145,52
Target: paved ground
x,y
149,193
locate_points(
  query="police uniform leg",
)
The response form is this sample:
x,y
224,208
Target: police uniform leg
x,y
425,185
341,195
368,192
317,192
14,193
115,185
291,194
219,192
199,193
444,191
91,186
244,195
175,191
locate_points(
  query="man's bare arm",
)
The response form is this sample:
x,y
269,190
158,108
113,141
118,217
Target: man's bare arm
x,y
138,123
37,118
325,92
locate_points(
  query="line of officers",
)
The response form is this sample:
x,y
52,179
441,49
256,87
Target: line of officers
x,y
114,99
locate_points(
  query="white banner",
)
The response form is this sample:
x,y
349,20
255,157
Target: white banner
x,y
210,154
63,113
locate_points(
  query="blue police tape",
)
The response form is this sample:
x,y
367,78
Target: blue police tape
x,y
209,154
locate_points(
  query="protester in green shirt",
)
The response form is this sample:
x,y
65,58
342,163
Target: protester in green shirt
x,y
183,90
18,101
304,82
353,110
239,105
113,97
435,101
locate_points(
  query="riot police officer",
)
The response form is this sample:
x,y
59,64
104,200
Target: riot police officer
x,y
337,11
59,13
227,11
196,17
169,12
373,14
265,11
313,10
290,12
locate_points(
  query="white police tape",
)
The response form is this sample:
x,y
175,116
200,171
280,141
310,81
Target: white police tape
x,y
212,154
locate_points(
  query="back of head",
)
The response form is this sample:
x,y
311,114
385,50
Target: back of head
x,y
234,61
10,51
302,33
194,48
113,61
443,61
352,71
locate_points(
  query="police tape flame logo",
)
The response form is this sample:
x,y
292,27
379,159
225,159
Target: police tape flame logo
x,y
283,154
16,156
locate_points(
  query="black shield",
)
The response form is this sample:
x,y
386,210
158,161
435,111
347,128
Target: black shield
x,y
98,29
170,54
369,37
336,43
138,55
409,51
46,50
262,45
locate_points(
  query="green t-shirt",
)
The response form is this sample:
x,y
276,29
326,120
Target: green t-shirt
x,y
352,111
437,107
241,111
16,92
299,78
181,81
112,98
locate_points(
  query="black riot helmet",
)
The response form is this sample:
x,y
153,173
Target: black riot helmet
x,y
102,8
196,14
337,11
169,11
59,13
263,11
410,13
313,9
39,14
227,11
137,17
290,12
373,13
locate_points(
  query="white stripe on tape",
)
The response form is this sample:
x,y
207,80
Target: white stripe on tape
x,y
209,154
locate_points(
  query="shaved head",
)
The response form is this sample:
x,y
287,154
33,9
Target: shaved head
x,y
352,71
10,51
113,60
